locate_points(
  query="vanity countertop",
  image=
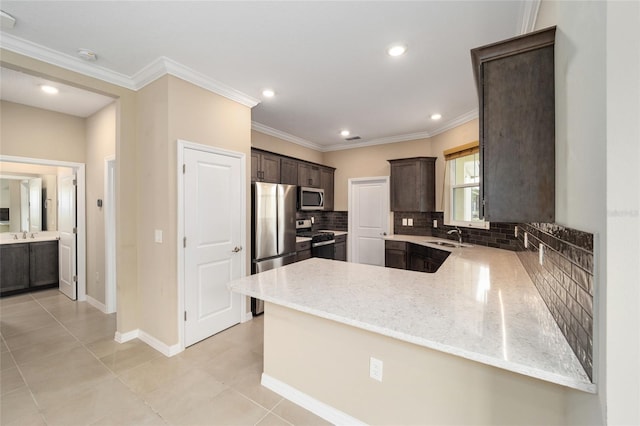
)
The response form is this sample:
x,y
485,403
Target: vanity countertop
x,y
10,238
480,305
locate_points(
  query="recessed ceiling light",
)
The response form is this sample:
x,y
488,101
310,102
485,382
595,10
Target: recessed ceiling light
x,y
397,50
436,116
87,55
49,89
345,133
268,93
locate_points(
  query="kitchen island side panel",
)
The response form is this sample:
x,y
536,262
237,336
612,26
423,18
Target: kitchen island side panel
x,y
329,362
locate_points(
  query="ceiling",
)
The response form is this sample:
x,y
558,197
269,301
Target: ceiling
x,y
326,61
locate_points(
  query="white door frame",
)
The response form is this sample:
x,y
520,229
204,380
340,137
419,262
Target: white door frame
x,y
352,208
79,170
110,234
181,146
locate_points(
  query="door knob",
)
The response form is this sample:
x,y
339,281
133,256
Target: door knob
x,y
383,234
237,249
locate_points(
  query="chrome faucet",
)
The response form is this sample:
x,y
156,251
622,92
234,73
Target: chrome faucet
x,y
24,235
454,231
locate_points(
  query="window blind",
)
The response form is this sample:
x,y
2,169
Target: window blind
x,y
461,151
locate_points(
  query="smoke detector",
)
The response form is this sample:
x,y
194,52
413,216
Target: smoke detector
x,y
6,21
87,55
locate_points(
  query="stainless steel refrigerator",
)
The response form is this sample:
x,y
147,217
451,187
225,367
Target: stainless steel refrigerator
x,y
273,229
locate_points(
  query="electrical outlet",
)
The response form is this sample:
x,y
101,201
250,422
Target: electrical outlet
x,y
435,223
375,369
515,231
410,221
158,235
404,221
541,254
313,220
526,240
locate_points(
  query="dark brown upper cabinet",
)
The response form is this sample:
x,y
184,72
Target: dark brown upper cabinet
x,y
308,175
515,82
288,171
413,184
265,167
327,183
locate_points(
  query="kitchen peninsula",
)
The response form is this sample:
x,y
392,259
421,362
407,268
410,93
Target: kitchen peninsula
x,y
471,343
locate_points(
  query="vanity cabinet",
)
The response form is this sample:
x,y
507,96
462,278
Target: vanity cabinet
x,y
413,184
28,266
14,267
265,167
515,82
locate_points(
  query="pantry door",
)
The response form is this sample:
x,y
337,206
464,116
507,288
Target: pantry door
x,y
368,219
68,235
213,241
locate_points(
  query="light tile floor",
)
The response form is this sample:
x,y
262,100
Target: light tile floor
x,y
61,366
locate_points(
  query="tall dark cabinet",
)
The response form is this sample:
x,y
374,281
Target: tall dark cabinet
x,y
515,81
413,184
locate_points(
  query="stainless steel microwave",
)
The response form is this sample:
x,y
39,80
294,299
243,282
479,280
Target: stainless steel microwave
x,y
310,198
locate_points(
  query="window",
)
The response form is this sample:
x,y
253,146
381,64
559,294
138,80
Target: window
x,y
462,180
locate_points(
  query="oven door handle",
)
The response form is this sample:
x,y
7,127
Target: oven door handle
x,y
323,243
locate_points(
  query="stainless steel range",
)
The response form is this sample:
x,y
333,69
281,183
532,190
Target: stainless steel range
x,y
322,242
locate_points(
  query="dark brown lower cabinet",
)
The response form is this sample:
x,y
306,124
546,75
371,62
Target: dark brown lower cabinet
x,y
413,257
28,266
303,250
340,248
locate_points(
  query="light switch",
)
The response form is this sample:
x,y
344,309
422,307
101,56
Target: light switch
x,y
158,236
404,221
435,223
410,221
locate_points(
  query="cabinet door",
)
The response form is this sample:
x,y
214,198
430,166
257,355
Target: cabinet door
x,y
327,183
516,91
14,267
288,171
255,166
270,167
413,184
303,255
395,259
43,263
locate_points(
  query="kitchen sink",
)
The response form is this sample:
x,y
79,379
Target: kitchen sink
x,y
446,244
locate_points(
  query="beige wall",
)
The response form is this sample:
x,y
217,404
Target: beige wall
x,y
280,146
170,109
37,133
330,362
100,143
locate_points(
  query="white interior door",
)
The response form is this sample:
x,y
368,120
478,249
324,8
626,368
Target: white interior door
x,y
368,219
35,205
67,230
212,256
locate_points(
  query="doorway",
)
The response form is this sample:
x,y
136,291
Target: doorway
x,y
211,235
79,253
368,219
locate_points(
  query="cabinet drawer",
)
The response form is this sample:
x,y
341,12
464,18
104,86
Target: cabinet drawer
x,y
304,245
340,238
395,245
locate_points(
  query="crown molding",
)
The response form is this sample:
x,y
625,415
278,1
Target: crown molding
x,y
164,65
146,75
62,60
258,127
529,16
461,119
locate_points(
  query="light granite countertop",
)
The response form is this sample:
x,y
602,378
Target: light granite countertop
x,y
336,233
32,237
302,239
480,305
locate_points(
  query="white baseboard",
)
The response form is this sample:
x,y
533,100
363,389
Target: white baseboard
x,y
125,337
97,304
156,344
318,408
159,346
248,316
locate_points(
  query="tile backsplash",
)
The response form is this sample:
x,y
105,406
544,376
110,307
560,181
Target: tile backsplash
x,y
500,235
333,220
564,280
